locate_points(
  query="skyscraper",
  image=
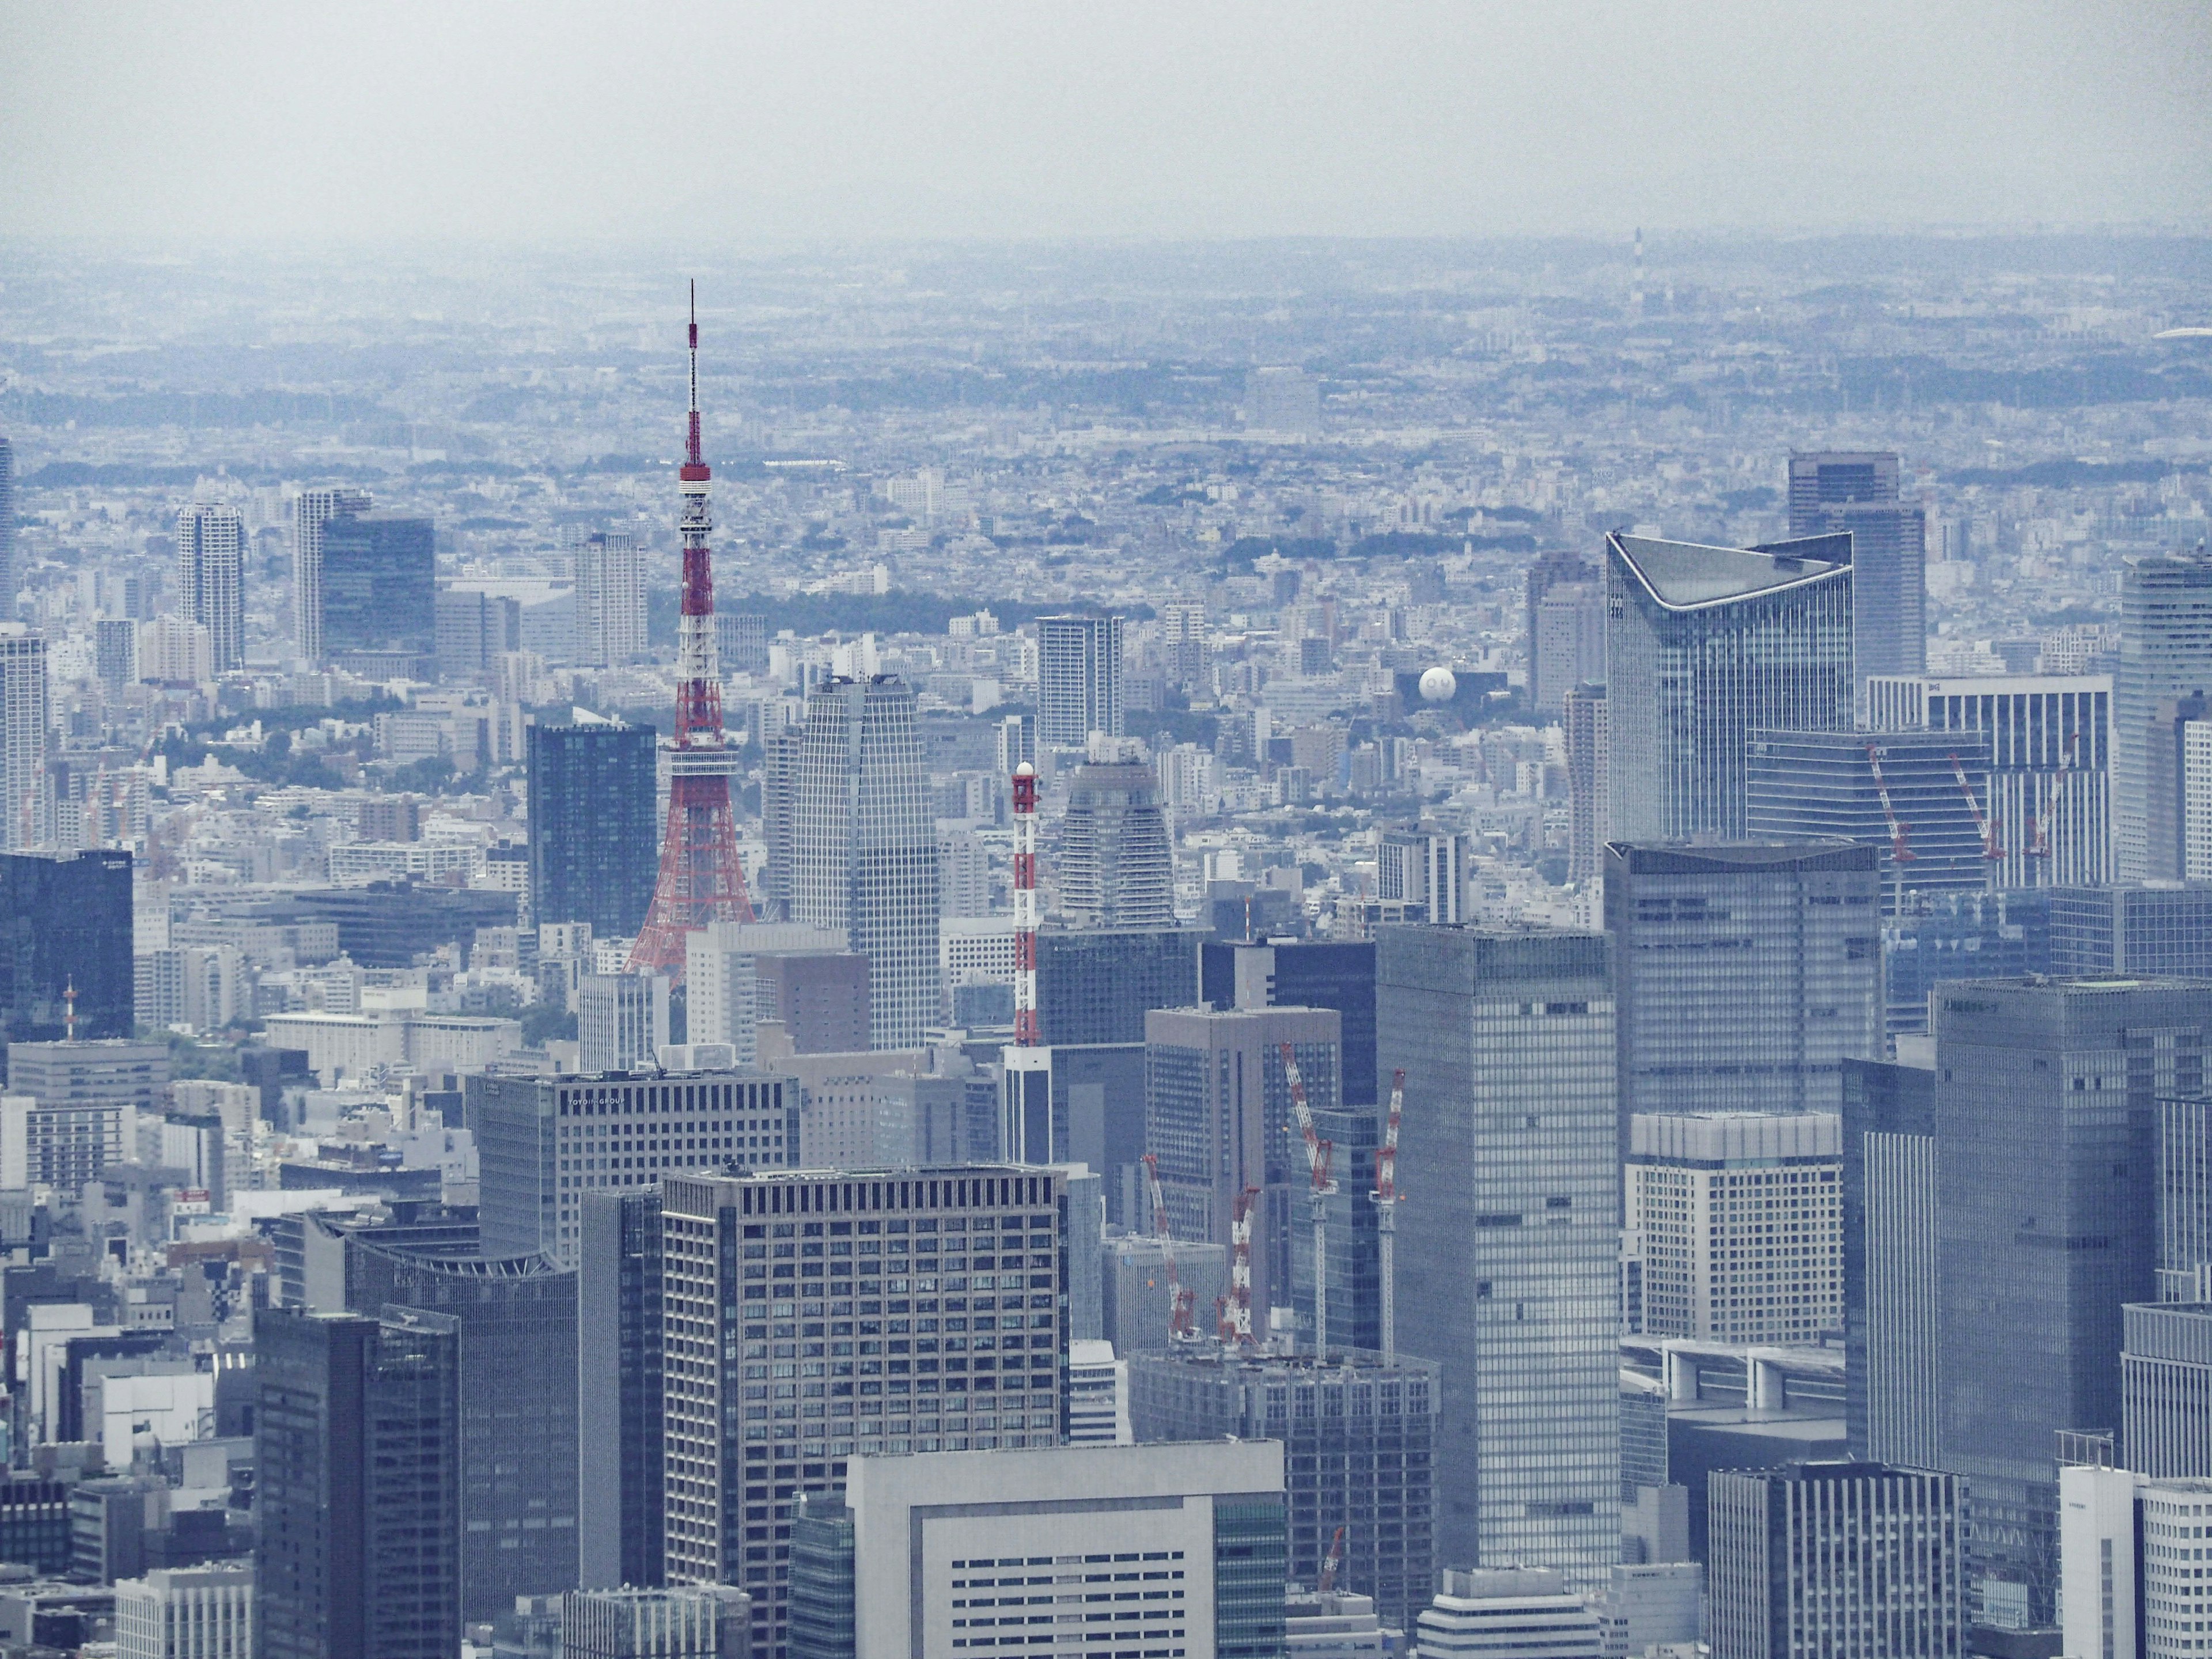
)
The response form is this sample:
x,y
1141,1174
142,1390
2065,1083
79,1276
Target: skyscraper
x,y
211,578
1078,679
1097,984
842,1278
2050,795
780,753
1566,641
1510,1252
1919,798
1217,1114
7,531
609,598
592,851
1745,974
1115,866
65,921
514,1318
1359,1435
1306,974
357,1484
2166,651
865,847
378,586
1892,1404
1736,1219
620,1390
2045,1131
1585,717
1857,493
311,510
1704,645
2166,1388
1838,1558
24,787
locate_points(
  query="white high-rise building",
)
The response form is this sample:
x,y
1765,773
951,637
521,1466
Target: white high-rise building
x,y
311,511
1078,680
1738,1221
186,1613
211,578
24,789
174,651
1097,1395
2166,651
611,621
863,847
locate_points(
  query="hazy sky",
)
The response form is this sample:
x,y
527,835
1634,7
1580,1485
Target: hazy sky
x,y
221,123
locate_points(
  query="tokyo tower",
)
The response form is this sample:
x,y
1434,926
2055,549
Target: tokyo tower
x,y
701,880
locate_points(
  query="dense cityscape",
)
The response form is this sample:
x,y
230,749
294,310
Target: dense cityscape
x,y
803,1036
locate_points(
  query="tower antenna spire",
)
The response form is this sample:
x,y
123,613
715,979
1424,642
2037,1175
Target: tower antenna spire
x,y
701,880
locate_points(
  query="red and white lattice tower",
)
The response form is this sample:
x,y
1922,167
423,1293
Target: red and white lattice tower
x,y
701,880
1025,906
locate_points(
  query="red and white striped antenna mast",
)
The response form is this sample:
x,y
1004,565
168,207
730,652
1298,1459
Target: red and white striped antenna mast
x,y
1025,906
701,880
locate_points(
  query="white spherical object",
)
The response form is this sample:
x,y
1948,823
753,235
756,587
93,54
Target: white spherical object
x,y
1439,685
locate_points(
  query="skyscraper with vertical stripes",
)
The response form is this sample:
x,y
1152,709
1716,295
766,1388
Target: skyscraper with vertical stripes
x,y
311,510
211,578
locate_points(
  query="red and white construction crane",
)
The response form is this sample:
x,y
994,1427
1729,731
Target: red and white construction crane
x,y
1235,1325
1181,1301
1328,1567
1385,1198
1318,1152
1900,851
1991,849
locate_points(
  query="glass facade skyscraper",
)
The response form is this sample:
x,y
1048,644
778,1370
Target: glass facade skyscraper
x,y
620,1386
1857,493
1704,644
1307,974
594,849
863,847
311,510
357,1485
65,922
378,582
1891,1406
2166,651
2050,739
2047,1096
1805,786
1746,975
1508,1246
1096,984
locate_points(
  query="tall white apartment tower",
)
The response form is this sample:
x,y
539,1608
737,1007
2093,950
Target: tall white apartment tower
x,y
609,598
863,847
22,736
211,578
1078,679
311,511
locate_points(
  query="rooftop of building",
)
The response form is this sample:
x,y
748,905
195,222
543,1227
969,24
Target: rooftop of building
x,y
1698,858
1216,1358
1692,576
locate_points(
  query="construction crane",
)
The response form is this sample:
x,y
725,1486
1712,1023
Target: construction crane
x,y
1900,850
1181,1301
1336,1560
2038,822
1237,1323
1318,1152
1991,849
1385,1198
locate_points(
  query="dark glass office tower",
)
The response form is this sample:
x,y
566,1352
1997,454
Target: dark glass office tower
x,y
1704,646
516,1319
2132,930
356,1455
594,847
1313,974
1097,985
2166,651
1804,785
1857,493
1508,1243
1744,976
379,585
65,922
618,1391
2047,1096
